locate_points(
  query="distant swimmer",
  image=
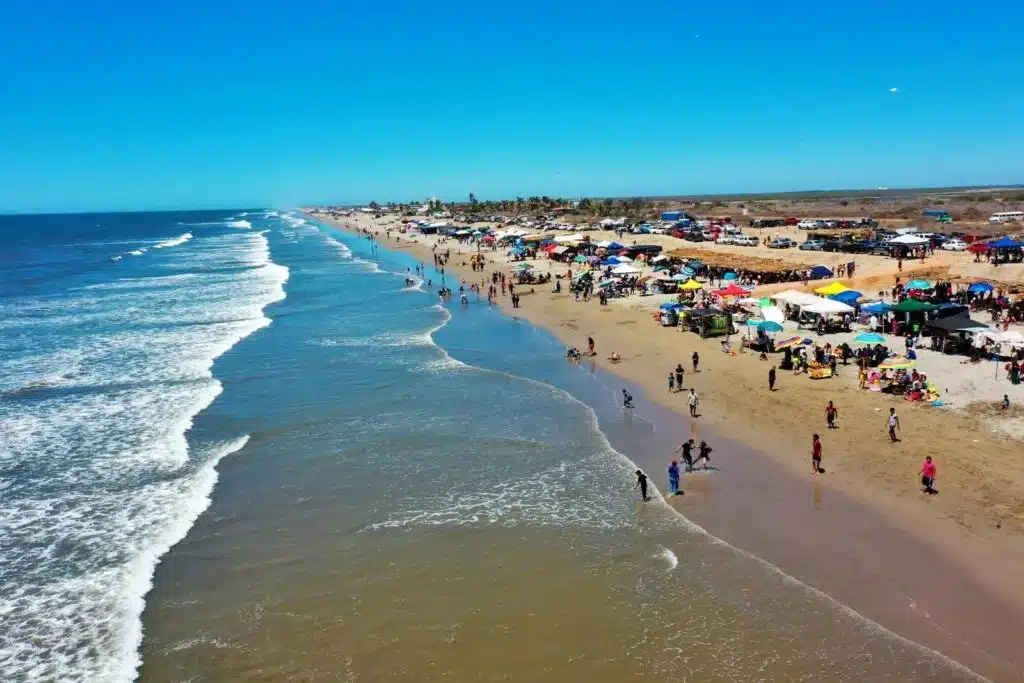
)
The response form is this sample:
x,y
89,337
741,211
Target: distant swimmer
x,y
641,483
627,400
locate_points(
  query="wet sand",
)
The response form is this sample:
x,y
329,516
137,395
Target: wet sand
x,y
896,559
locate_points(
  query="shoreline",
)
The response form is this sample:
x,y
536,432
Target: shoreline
x,y
913,548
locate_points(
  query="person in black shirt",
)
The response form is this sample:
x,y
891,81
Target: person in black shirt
x,y
771,379
641,482
686,448
704,453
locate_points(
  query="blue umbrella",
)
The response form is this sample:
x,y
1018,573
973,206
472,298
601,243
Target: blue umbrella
x,y
730,276
980,288
919,284
869,338
771,326
848,297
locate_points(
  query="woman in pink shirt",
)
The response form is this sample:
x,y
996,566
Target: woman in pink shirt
x,y
928,475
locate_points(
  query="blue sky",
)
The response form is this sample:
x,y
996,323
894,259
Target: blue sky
x,y
128,105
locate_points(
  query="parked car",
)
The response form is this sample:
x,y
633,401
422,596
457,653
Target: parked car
x,y
746,240
693,236
726,238
708,235
807,225
812,245
781,243
833,245
954,245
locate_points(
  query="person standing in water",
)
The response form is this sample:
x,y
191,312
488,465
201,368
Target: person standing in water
x,y
627,400
673,478
641,483
704,453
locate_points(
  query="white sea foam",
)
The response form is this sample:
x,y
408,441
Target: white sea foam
x,y
137,252
239,224
180,239
669,557
113,480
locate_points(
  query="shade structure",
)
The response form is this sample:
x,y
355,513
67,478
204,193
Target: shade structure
x,y
1005,243
691,285
773,313
876,307
919,284
828,307
849,297
980,288
729,276
625,269
789,341
908,240
732,290
869,338
897,363
771,326
834,288
913,306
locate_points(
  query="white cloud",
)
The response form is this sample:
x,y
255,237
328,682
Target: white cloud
x,y
894,90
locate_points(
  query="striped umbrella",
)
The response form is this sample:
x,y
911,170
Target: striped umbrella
x,y
897,363
789,341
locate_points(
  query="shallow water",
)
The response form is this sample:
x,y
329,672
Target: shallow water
x,y
429,492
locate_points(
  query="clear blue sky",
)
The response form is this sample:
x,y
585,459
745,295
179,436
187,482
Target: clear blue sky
x,y
123,105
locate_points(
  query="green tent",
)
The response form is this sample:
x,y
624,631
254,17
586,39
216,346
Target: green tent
x,y
912,306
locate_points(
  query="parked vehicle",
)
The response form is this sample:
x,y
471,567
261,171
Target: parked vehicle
x,y
726,238
807,225
693,236
746,240
781,243
709,235
812,245
954,245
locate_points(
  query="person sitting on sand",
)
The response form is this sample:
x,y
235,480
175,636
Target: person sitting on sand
x,y
1006,402
614,358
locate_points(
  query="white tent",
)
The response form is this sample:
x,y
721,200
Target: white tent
x,y
659,258
795,298
625,269
828,307
908,240
565,239
608,222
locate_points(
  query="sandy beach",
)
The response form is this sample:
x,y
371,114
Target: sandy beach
x,y
970,533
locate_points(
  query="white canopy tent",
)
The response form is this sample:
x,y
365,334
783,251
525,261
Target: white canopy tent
x,y
568,239
795,298
625,269
908,240
773,314
828,307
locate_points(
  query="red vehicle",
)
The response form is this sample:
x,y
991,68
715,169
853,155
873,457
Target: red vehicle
x,y
792,221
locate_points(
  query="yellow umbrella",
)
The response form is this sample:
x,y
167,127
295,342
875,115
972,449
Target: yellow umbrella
x,y
691,284
832,289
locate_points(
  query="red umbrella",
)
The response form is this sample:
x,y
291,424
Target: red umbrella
x,y
732,290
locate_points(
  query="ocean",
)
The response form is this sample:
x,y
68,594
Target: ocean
x,y
237,446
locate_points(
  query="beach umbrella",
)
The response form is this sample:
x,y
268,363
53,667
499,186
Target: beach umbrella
x,y
691,285
919,284
897,363
729,276
766,325
980,288
789,341
732,290
869,338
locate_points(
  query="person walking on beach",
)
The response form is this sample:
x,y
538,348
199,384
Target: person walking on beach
x,y
816,454
641,483
692,399
671,383
928,471
894,424
673,478
679,376
696,361
830,415
590,346
771,379
704,453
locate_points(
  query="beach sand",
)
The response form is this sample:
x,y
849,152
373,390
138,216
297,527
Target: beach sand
x,y
962,547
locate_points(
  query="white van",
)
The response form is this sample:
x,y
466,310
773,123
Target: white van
x,y
807,225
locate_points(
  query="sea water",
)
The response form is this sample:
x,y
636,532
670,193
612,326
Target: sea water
x,y
418,489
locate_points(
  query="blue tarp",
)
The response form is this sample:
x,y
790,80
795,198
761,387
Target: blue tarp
x,y
670,306
614,245
1005,243
980,287
878,307
671,215
818,272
